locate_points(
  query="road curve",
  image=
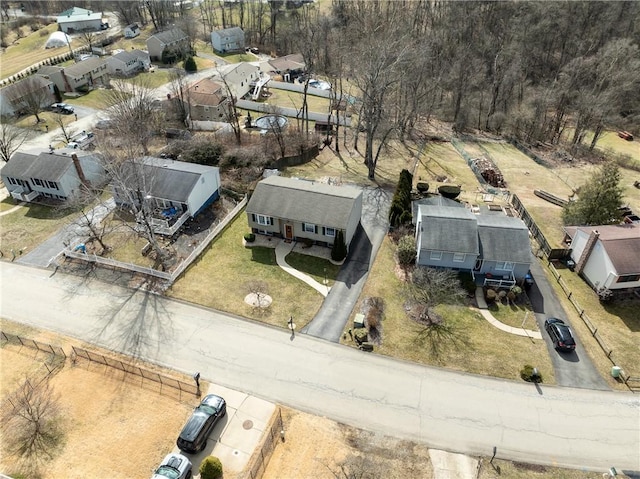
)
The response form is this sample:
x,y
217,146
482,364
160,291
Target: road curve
x,y
578,428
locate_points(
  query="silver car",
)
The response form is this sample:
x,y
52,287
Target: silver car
x,y
173,466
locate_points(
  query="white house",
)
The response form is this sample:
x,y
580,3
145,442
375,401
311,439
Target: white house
x,y
79,20
240,77
173,190
124,64
57,174
143,58
174,40
131,31
607,256
228,40
301,209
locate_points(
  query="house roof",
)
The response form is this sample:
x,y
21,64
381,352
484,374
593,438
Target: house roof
x,y
82,68
304,201
295,61
140,54
503,238
167,179
133,26
17,90
231,32
48,70
124,57
169,36
448,228
77,14
44,166
206,92
431,201
621,242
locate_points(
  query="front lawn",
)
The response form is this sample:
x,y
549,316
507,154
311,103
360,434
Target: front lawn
x,y
220,279
479,348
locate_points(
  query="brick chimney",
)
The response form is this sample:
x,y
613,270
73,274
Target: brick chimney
x,y
76,163
586,252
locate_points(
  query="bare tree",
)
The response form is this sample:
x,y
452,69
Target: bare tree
x,y
261,290
430,287
11,139
32,95
32,426
66,130
232,115
88,39
93,212
180,87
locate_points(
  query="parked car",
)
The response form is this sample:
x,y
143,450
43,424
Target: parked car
x,y
195,432
173,466
560,334
63,108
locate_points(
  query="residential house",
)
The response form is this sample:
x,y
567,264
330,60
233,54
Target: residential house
x,y
131,31
208,101
57,174
607,256
79,20
124,64
79,76
495,248
173,41
228,40
142,57
16,98
289,67
304,210
241,77
174,191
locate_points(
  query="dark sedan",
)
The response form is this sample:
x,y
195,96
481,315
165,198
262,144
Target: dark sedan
x,y
560,334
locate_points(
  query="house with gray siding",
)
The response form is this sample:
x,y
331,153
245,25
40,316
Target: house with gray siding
x,y
173,39
123,64
173,191
228,40
78,19
15,99
493,247
296,209
57,174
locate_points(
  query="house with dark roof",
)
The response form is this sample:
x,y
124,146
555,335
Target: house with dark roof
x,y
228,40
495,248
57,174
289,67
607,256
296,210
124,64
131,31
78,19
78,76
174,191
173,41
16,98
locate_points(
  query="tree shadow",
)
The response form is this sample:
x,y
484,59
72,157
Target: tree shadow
x,y
263,255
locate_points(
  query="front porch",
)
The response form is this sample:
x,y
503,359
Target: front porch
x,y
493,281
22,194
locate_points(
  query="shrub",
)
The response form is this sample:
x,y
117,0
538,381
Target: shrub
x,y
339,249
406,250
249,237
467,282
527,374
211,468
491,295
449,191
190,65
422,187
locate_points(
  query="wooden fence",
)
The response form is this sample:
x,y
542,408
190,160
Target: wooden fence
x,y
160,379
632,382
260,459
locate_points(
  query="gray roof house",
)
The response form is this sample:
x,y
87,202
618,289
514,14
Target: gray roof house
x,y
228,40
131,31
174,190
607,256
296,209
123,64
174,39
15,98
79,20
495,248
57,174
81,75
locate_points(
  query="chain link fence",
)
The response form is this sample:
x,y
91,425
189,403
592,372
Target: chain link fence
x,y
260,458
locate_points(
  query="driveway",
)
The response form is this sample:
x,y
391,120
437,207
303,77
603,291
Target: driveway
x,y
539,424
571,369
334,313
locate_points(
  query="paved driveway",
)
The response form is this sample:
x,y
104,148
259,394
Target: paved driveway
x,y
334,313
571,369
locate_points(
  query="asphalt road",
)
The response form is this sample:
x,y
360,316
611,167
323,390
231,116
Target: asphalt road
x,y
579,428
573,369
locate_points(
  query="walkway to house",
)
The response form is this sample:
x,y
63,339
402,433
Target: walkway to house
x,y
484,311
282,250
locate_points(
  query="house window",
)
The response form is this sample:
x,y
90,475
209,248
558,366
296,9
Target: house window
x,y
263,220
308,228
37,181
12,181
436,255
504,266
459,257
52,184
330,232
628,278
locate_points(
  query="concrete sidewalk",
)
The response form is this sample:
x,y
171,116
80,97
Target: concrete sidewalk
x,y
484,311
282,250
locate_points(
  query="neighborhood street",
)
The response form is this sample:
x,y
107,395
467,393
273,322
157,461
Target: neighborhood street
x,y
579,428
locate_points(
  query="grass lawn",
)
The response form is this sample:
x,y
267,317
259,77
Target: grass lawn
x,y
30,225
618,325
47,118
219,280
317,268
7,204
514,314
481,347
96,99
233,57
153,79
291,99
519,470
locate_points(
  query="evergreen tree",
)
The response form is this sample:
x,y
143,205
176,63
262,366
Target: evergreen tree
x,y
599,199
339,250
190,65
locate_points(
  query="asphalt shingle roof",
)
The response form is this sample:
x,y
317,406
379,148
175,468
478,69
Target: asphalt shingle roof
x,y
448,228
621,242
45,166
504,238
304,201
170,36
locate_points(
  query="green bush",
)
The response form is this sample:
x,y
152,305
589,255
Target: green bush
x,y
190,65
449,191
422,187
406,250
467,282
526,373
211,468
250,237
339,249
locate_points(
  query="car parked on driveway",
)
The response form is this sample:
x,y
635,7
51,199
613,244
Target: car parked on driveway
x,y
173,466
63,108
560,334
193,437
